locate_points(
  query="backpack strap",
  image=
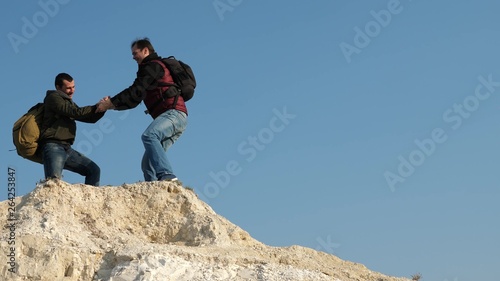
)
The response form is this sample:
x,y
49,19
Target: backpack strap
x,y
165,95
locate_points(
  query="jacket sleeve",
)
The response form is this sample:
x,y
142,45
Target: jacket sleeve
x,y
64,107
93,118
147,79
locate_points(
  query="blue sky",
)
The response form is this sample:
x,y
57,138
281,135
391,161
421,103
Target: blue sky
x,y
368,129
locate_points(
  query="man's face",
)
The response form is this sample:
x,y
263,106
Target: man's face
x,y
139,54
68,88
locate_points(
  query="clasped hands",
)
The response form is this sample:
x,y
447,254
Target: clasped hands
x,y
104,104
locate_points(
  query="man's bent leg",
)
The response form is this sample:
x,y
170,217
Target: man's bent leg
x,y
169,125
54,156
82,165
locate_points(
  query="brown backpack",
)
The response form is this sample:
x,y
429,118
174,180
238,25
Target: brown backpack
x,y
26,133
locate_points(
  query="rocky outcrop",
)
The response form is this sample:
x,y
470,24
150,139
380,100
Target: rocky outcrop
x,y
146,231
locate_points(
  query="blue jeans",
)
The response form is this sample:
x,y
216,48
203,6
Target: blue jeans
x,y
157,138
57,157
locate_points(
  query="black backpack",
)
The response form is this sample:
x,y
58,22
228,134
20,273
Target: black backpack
x,y
184,80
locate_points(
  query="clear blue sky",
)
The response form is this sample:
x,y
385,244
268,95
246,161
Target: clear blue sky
x,y
367,129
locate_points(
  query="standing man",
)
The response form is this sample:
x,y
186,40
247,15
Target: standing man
x,y
169,113
59,131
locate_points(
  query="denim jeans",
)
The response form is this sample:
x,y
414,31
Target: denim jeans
x,y
57,157
157,138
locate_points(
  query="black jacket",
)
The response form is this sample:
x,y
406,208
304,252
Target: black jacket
x,y
146,82
59,118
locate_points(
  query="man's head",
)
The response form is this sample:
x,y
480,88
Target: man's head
x,y
65,83
141,48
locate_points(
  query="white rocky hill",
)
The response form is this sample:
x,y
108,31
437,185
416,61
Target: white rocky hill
x,y
146,231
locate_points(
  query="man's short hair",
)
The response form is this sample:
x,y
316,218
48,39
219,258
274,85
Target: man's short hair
x,y
61,77
143,43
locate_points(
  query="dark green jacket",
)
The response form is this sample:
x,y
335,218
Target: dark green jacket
x,y
59,117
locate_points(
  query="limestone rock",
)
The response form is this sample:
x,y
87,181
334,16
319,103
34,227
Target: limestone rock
x,y
146,231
